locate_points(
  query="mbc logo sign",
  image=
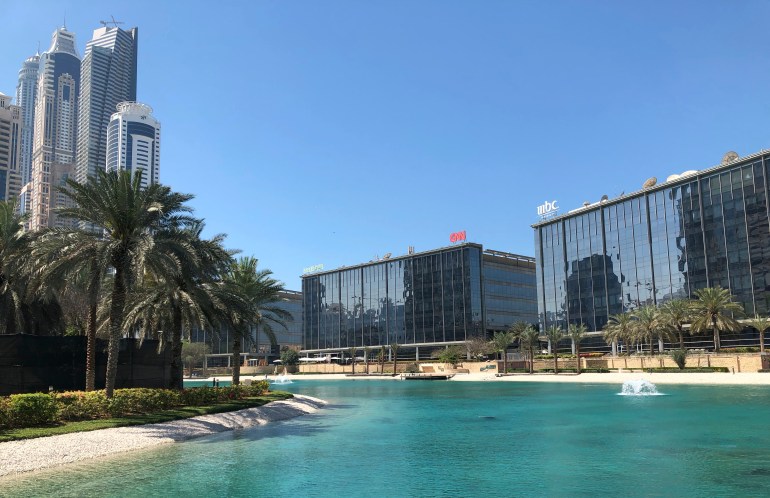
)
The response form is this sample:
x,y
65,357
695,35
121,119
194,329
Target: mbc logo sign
x,y
547,208
457,237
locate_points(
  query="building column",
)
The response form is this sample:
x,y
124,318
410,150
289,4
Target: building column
x,y
573,346
615,347
417,353
549,346
660,345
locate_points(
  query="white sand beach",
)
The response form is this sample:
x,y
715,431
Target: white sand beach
x,y
33,454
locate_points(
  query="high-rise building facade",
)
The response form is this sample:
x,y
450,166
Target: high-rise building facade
x,y
10,149
422,301
699,229
133,142
108,77
26,94
53,155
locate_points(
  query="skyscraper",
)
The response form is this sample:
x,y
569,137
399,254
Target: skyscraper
x,y
10,148
53,153
26,93
133,141
108,77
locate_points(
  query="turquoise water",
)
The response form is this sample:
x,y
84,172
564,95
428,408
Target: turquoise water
x,y
459,439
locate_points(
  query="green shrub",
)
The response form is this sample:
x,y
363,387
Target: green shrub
x,y
142,400
27,410
741,349
258,388
412,368
5,415
79,405
199,396
680,357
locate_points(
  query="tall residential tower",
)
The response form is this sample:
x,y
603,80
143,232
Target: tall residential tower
x,y
53,153
26,92
133,141
10,148
108,77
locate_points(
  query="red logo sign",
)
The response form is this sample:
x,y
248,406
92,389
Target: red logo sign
x,y
457,237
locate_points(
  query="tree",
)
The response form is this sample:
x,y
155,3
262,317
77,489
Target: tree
x,y
674,315
619,328
381,358
577,333
76,261
761,325
194,353
450,354
289,356
554,334
178,302
529,341
394,346
261,293
14,243
132,220
646,324
500,342
714,309
477,347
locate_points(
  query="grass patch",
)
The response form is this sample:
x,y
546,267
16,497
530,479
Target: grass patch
x,y
141,419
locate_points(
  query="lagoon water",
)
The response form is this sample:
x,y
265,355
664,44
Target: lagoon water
x,y
458,439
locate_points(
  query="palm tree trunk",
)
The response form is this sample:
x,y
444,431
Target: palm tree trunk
x,y
681,338
116,324
531,361
761,341
177,374
236,360
577,354
716,334
91,347
505,361
555,362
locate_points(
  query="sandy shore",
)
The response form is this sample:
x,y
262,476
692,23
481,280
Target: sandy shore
x,y
34,454
753,378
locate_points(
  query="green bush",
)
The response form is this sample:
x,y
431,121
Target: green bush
x,y
680,357
142,400
27,410
258,388
741,349
412,368
5,415
80,405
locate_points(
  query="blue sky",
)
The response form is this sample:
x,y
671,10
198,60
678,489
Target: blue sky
x,y
332,132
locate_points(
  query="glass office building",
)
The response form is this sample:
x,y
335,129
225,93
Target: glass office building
x,y
699,229
430,299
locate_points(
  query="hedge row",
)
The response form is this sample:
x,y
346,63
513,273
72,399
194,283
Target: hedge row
x,y
28,410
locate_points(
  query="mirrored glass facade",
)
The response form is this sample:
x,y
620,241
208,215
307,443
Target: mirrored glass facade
x,y
434,297
702,230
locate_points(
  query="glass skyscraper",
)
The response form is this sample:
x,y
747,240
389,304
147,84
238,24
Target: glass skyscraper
x,y
26,94
700,229
430,299
108,77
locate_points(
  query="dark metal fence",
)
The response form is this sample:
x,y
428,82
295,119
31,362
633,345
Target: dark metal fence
x,y
31,363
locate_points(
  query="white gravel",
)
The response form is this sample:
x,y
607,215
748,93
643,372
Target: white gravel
x,y
34,454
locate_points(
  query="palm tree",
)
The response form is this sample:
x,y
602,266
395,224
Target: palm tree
x,y
381,358
76,261
529,340
367,352
555,334
619,328
500,343
646,324
14,244
394,351
714,309
674,315
760,324
178,302
261,293
577,333
133,220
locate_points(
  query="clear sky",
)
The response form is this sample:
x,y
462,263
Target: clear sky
x,y
336,131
